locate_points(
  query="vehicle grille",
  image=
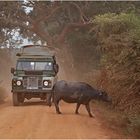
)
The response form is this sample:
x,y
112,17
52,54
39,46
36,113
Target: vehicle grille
x,y
32,82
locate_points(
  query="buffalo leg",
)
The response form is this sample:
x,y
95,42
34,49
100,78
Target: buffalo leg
x,y
88,110
48,97
77,107
57,107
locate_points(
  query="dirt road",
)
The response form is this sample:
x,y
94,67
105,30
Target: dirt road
x,y
36,120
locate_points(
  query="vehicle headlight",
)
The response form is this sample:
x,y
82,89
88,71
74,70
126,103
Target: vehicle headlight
x,y
18,83
46,83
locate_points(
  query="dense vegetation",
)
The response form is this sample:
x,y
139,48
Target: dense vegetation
x,y
119,38
97,42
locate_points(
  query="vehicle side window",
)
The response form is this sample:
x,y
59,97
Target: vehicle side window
x,y
19,66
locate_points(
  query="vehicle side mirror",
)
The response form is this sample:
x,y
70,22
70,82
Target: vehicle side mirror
x,y
56,68
12,70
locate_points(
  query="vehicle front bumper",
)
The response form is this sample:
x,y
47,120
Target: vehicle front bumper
x,y
32,90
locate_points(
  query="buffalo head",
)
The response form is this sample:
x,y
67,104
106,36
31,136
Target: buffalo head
x,y
104,96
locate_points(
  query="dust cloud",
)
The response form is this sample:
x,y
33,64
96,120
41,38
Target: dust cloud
x,y
6,62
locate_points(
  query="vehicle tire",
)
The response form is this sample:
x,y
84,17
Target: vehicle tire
x,y
21,97
15,99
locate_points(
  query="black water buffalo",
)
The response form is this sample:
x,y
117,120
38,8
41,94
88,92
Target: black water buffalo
x,y
75,92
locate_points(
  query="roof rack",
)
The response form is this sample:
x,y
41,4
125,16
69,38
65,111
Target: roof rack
x,y
42,51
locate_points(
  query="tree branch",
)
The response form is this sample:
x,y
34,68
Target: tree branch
x,y
80,11
44,17
69,28
15,23
41,32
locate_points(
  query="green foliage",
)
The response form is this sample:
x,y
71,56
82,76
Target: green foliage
x,y
133,126
119,38
119,23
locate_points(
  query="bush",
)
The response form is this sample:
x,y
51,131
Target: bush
x,y
134,126
118,36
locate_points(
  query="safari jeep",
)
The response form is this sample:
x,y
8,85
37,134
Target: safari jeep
x,y
35,74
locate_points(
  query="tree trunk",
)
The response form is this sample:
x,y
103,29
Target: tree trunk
x,y
66,61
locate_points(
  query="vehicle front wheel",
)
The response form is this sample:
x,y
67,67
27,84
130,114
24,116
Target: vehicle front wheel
x,y
21,97
16,101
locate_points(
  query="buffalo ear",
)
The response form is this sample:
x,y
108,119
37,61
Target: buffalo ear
x,y
100,93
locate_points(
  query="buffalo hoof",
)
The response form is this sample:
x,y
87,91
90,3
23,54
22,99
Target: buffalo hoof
x,y
59,112
92,116
77,113
49,104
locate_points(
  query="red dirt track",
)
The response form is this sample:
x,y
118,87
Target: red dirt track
x,y
36,120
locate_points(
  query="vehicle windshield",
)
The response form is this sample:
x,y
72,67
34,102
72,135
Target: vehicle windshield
x,y
31,65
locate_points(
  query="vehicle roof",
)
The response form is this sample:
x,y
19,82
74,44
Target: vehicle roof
x,y
35,51
34,56
36,59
